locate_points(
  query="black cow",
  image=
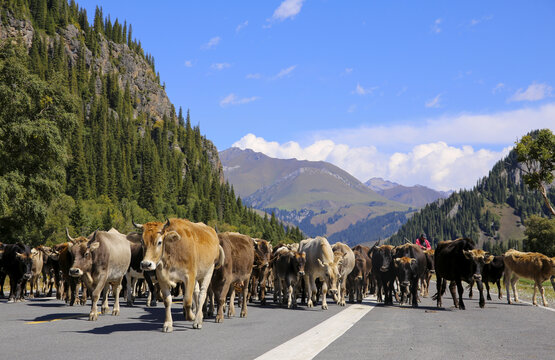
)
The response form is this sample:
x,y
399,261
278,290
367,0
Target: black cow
x,y
457,261
410,266
384,271
17,264
492,272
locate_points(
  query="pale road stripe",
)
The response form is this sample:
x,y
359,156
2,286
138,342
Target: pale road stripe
x,y
312,342
519,301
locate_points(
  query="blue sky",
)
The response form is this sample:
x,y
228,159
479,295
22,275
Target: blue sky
x,y
430,93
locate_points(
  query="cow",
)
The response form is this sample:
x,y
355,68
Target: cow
x,y
357,278
180,250
17,262
409,272
135,272
457,261
261,269
236,269
384,271
2,271
492,272
369,282
320,264
347,262
102,261
430,270
39,255
288,267
530,265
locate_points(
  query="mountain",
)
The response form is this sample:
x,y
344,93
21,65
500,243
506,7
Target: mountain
x,y
102,142
319,197
492,213
416,196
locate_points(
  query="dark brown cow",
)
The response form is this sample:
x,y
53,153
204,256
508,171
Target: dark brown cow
x,y
236,269
357,279
457,261
492,272
17,262
409,272
180,250
103,260
288,270
260,270
384,271
369,282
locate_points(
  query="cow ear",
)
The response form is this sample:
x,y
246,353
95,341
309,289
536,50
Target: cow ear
x,y
303,254
171,237
20,255
413,261
321,263
467,254
488,259
34,252
397,261
94,245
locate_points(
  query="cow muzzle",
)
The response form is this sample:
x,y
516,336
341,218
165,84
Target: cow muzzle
x,y
384,268
477,277
27,276
405,284
75,272
147,265
301,273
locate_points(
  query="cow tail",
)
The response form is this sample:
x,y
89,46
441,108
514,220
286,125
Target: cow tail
x,y
221,258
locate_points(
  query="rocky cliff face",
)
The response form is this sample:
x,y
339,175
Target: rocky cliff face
x,y
131,69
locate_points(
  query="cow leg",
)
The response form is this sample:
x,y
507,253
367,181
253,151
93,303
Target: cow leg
x,y
104,308
152,296
540,286
324,295
116,290
414,292
221,296
167,296
129,289
310,284
482,301
487,290
72,291
244,301
470,286
187,297
460,289
452,287
93,315
197,324
499,294
514,279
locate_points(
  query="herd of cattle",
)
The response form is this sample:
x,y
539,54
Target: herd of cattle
x,y
211,268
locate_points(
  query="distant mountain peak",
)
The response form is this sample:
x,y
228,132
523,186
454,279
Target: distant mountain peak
x,y
378,184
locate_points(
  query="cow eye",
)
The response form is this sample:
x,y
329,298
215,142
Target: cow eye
x,y
159,242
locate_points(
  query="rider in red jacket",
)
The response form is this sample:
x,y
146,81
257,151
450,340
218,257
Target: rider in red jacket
x,y
423,242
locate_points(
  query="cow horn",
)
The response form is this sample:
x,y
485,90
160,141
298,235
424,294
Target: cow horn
x,y
216,228
71,240
167,224
138,226
92,239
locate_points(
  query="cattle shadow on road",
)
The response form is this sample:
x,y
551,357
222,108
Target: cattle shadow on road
x,y
57,316
131,327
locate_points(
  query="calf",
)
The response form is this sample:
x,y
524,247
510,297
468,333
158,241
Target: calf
x,y
320,264
180,250
17,262
369,285
457,261
346,259
288,269
427,276
384,271
102,260
534,266
492,272
357,278
411,270
236,269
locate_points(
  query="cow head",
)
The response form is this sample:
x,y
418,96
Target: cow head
x,y
300,261
37,260
479,258
386,253
153,241
331,272
83,253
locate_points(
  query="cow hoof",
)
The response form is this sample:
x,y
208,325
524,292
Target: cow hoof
x,y
93,316
11,301
103,310
167,328
489,298
197,325
115,313
324,306
219,319
243,314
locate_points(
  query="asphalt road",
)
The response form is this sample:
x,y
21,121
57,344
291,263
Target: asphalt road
x,y
47,329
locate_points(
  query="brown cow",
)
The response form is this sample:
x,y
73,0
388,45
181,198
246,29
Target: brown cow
x,y
288,270
530,265
236,269
357,279
430,270
261,269
61,253
102,260
180,250
38,257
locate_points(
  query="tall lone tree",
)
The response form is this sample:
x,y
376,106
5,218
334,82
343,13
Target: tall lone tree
x,y
536,152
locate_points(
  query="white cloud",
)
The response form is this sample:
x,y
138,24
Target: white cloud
x,y
352,108
534,92
284,72
188,63
447,152
434,103
435,27
364,91
498,88
287,9
403,90
253,76
232,99
220,66
475,22
241,26
348,70
211,43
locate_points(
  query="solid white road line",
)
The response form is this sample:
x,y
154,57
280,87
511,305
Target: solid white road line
x,y
312,342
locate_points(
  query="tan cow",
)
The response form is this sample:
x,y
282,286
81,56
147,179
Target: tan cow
x,y
320,264
530,265
38,257
180,250
345,255
236,270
